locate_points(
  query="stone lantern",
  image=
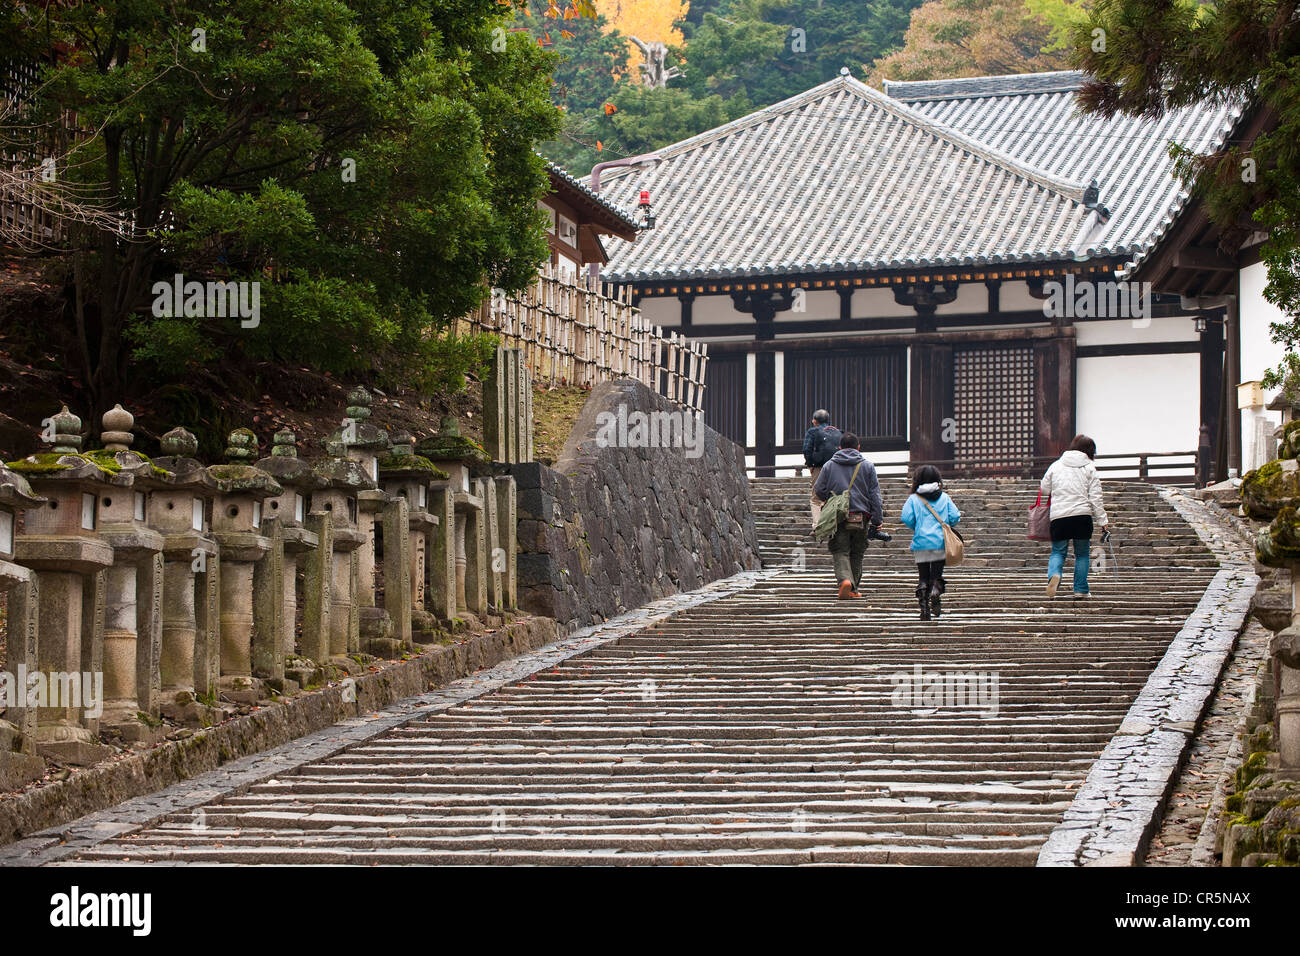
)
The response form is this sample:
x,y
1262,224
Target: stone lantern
x,y
466,464
190,659
236,524
61,543
335,631
133,603
414,479
365,444
18,763
292,539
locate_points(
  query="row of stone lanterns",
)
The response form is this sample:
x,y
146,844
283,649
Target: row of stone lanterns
x,y
176,584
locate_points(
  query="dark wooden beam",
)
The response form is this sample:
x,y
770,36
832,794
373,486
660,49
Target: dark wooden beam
x,y
1139,348
821,326
885,340
1204,259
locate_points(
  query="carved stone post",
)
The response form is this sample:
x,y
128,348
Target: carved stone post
x,y
61,544
471,508
495,556
190,633
508,536
442,551
236,524
462,459
19,764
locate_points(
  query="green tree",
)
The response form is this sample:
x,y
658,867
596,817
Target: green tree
x,y
650,119
1152,56
369,163
773,49
953,38
589,58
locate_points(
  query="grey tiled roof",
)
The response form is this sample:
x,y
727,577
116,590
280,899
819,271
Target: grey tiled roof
x,y
1033,118
842,178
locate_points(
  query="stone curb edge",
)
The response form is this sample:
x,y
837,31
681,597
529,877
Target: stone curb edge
x,y
1113,816
237,776
1203,850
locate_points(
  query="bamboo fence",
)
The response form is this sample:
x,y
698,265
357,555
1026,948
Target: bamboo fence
x,y
574,335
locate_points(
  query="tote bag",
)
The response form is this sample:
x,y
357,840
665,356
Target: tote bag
x,y
954,546
1040,519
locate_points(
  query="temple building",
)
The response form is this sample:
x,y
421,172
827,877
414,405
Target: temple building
x,y
944,265
577,218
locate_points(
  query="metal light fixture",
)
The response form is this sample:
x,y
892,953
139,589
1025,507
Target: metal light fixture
x,y
648,221
1201,324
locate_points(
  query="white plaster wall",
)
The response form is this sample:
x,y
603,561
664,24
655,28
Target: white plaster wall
x,y
818,304
1126,331
1258,351
1139,403
1015,297
715,310
662,311
1258,354
876,303
971,297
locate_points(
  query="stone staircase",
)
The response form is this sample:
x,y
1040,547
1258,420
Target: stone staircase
x,y
760,727
1145,531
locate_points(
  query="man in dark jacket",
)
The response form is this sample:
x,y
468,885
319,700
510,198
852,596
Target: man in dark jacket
x,y
815,453
866,510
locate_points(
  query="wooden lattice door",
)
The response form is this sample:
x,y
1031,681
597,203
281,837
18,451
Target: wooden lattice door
x,y
993,407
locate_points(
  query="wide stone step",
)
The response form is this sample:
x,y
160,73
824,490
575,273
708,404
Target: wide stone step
x,y
765,727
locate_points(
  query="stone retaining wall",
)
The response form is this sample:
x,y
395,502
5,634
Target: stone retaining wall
x,y
612,528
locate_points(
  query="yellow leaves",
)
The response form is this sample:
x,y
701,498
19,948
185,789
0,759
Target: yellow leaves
x,y
647,20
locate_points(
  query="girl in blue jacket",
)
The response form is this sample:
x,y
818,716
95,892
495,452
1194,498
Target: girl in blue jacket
x,y
927,535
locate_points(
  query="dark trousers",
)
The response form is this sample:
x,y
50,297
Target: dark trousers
x,y
847,547
930,575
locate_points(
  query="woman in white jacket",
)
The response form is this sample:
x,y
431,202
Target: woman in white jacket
x,y
1074,487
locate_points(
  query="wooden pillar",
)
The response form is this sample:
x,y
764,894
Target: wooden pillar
x,y
931,402
1212,386
1233,357
846,302
765,413
1054,386
687,300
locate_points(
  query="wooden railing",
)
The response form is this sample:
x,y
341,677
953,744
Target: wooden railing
x,y
1165,467
575,335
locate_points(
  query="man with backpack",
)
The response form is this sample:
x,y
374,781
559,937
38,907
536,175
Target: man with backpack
x,y
849,471
820,443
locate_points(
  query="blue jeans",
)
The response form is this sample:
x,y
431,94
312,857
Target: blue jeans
x,y
1081,561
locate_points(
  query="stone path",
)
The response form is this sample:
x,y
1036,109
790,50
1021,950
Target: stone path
x,y
767,725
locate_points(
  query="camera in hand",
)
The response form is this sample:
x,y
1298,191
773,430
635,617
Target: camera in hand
x,y
879,534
